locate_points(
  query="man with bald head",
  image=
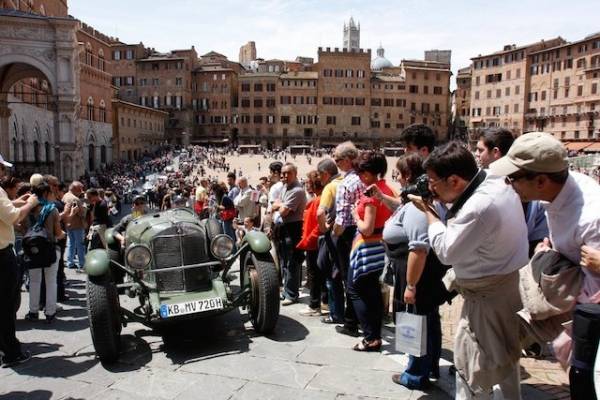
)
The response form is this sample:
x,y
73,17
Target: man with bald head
x,y
74,218
243,201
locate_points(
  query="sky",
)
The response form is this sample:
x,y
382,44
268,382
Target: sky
x,y
285,29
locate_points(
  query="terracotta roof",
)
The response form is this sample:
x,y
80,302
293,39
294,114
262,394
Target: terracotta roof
x,y
577,146
300,75
593,148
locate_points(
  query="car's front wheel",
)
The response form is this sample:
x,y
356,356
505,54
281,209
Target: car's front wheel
x,y
104,316
264,297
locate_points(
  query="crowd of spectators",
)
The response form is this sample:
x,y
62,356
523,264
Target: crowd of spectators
x,y
462,223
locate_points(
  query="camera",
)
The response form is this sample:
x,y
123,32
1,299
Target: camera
x,y
368,192
419,188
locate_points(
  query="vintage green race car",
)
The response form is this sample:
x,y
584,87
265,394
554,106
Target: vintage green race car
x,y
178,267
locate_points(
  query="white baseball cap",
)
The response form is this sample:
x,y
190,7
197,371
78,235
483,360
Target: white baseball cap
x,y
5,163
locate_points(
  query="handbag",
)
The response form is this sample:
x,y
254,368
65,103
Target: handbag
x,y
228,214
411,333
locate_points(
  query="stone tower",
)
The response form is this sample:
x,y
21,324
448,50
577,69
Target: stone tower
x,y
247,53
351,35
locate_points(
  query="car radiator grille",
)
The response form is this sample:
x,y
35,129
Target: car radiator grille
x,y
182,244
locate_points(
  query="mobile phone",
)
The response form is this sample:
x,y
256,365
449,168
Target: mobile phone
x,y
368,192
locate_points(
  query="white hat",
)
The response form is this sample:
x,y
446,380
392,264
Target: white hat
x,y
5,163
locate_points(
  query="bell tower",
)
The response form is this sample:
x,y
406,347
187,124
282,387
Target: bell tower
x,y
351,36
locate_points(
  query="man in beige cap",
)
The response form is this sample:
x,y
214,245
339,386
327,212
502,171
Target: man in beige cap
x,y
537,168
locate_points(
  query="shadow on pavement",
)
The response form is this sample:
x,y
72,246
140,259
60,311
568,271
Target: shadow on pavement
x,y
135,353
78,320
33,395
206,338
288,330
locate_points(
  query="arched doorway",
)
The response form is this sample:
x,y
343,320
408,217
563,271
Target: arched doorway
x,y
91,157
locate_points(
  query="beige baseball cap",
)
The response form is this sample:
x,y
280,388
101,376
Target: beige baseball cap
x,y
533,151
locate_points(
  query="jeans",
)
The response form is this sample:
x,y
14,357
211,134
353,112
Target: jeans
x,y
418,369
335,291
291,258
365,294
343,246
9,291
35,281
315,277
75,245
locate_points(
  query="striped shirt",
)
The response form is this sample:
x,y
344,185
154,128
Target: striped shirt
x,y
348,192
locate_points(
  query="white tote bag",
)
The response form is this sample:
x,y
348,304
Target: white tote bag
x,y
411,334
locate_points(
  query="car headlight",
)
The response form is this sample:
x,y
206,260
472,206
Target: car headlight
x,y
138,256
221,246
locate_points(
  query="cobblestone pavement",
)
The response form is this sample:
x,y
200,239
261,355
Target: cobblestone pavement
x,y
541,378
220,358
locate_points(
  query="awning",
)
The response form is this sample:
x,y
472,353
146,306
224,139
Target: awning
x,y
593,148
577,146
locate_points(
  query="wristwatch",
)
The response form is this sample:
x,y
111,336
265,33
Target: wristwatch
x,y
410,287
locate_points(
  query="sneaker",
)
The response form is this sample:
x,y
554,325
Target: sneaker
x,y
32,316
310,312
79,270
345,330
20,359
330,320
410,382
288,302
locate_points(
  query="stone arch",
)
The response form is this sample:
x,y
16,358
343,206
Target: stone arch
x,y
45,49
16,67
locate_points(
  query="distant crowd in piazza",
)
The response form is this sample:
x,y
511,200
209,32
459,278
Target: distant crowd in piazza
x,y
481,227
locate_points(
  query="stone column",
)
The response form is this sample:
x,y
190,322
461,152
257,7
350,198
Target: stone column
x,y
67,132
4,131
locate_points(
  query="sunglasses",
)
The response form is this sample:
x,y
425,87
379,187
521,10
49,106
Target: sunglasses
x,y
511,179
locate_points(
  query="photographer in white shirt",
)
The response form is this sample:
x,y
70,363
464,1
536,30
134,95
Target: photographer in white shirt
x,y
485,240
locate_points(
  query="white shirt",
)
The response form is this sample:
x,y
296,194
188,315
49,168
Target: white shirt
x,y
488,235
574,220
243,202
8,216
275,194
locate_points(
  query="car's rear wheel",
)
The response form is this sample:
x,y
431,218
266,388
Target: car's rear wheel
x,y
264,297
104,316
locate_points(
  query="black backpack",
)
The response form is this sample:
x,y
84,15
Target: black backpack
x,y
38,250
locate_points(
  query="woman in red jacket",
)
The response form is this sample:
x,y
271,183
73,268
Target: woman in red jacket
x,y
308,243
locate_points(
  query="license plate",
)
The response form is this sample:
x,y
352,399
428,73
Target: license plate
x,y
190,307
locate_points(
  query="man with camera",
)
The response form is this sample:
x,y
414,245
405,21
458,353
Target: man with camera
x,y
485,240
11,212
